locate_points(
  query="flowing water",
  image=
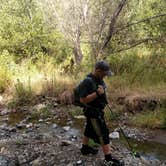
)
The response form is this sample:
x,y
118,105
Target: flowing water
x,y
148,149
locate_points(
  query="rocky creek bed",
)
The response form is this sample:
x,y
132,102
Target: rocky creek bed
x,y
25,142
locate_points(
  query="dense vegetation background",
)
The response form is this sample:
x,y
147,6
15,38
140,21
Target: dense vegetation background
x,y
47,47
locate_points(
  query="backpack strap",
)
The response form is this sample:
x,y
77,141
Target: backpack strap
x,y
93,82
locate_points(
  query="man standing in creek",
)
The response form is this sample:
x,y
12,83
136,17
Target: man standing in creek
x,y
93,97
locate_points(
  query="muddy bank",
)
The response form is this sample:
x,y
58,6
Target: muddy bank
x,y
137,102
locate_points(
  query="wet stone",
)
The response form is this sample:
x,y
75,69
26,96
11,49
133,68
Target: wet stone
x,y
73,138
6,161
79,162
66,128
114,135
20,126
54,126
12,129
36,162
41,120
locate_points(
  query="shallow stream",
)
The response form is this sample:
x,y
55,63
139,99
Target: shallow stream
x,y
151,149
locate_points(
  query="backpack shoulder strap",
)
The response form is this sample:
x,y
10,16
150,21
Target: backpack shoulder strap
x,y
93,82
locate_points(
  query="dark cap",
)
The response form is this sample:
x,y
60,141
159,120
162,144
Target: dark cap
x,y
104,66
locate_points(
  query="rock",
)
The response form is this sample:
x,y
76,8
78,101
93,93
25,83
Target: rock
x,y
6,128
13,129
2,149
29,125
20,125
70,123
41,120
154,162
3,126
79,162
40,106
80,117
146,162
54,126
55,104
66,128
36,162
114,135
6,161
163,164
73,138
65,143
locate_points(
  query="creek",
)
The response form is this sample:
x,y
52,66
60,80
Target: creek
x,y
152,149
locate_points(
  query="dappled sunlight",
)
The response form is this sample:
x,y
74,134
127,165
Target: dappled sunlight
x,y
40,81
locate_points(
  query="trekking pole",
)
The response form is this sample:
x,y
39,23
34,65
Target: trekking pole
x,y
134,153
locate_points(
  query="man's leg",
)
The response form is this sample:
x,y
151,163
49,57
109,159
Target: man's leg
x,y
85,140
109,160
106,149
86,149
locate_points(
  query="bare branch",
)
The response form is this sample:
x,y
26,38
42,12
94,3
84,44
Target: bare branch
x,y
138,22
136,43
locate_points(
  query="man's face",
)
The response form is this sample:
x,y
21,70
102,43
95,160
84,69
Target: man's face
x,y
101,74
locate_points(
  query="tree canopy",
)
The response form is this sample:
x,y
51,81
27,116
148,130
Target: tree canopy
x,y
75,29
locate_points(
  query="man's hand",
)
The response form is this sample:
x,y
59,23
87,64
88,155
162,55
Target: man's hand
x,y
100,90
93,96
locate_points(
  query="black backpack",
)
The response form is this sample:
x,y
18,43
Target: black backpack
x,y
76,98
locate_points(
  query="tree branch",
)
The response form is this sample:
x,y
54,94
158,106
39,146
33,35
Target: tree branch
x,y
112,23
159,39
138,22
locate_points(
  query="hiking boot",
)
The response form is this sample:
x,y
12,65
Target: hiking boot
x,y
86,149
113,162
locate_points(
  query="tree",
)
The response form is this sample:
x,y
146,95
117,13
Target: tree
x,y
144,25
21,28
68,17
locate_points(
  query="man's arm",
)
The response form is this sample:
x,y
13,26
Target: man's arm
x,y
92,96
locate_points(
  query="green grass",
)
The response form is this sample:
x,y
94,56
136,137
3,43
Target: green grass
x,y
151,119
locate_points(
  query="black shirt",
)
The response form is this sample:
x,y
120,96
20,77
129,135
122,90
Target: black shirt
x,y
90,85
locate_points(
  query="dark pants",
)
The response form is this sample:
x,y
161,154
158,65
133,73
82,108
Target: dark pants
x,y
97,130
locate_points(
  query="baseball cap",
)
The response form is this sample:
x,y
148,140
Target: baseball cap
x,y
104,66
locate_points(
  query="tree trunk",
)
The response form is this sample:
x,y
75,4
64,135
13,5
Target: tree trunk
x,y
112,26
78,56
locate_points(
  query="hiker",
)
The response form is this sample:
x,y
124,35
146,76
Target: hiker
x,y
94,100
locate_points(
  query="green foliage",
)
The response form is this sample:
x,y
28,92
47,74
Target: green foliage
x,y
144,31
151,119
20,27
92,143
139,69
24,34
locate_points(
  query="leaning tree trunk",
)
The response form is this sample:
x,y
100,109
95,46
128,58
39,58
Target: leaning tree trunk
x,y
112,26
